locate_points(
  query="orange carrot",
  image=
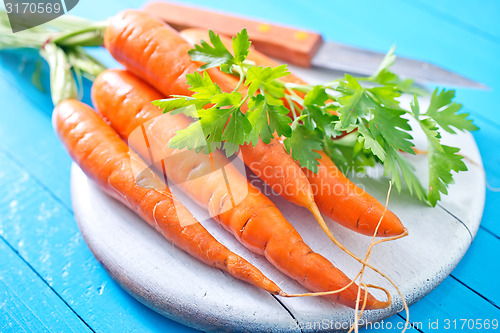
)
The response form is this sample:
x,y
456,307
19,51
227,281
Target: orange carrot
x,y
105,158
141,42
125,101
343,201
155,52
336,196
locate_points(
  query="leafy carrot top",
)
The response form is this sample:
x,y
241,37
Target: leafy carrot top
x,y
357,122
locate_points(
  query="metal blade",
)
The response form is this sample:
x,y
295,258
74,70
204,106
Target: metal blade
x,y
358,61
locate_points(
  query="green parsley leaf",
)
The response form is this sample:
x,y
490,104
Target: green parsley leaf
x,y
348,153
320,118
397,166
257,76
377,126
213,122
226,99
387,78
444,112
354,102
389,124
266,119
317,96
192,137
218,55
371,143
237,128
383,73
181,105
442,160
212,55
241,46
203,86
386,96
302,145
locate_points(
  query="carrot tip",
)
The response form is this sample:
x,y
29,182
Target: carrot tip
x,y
380,305
377,305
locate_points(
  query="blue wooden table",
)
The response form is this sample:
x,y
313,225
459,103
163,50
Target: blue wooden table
x,y
49,280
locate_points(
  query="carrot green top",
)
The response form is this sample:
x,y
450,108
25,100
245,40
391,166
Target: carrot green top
x,y
367,109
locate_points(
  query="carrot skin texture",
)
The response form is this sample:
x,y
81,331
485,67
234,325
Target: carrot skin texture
x,y
105,158
343,201
336,196
271,163
255,221
139,42
168,75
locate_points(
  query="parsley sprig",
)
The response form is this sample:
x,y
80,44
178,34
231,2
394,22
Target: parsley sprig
x,y
357,122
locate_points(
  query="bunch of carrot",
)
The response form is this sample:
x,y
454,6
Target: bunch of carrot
x,y
157,62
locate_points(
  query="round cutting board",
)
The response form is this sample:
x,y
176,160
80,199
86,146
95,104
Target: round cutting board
x,y
171,282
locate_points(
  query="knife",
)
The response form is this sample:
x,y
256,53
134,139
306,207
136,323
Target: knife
x,y
301,47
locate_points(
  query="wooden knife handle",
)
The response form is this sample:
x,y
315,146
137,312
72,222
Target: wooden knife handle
x,y
291,45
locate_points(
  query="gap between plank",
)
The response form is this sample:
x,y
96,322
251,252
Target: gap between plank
x,y
476,292
415,328
489,231
45,282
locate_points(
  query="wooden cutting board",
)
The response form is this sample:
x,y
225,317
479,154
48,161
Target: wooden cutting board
x,y
171,282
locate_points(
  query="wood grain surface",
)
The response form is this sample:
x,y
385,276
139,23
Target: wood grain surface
x,y
460,35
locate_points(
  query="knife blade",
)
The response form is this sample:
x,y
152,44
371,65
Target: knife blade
x,y
301,47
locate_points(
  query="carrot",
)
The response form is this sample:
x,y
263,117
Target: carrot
x,y
105,158
141,42
117,41
336,196
343,201
271,163
125,101
158,54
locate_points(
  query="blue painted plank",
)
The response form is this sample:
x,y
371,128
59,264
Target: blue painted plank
x,y
26,133
473,16
476,269
27,303
355,26
45,234
486,137
451,301
490,216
